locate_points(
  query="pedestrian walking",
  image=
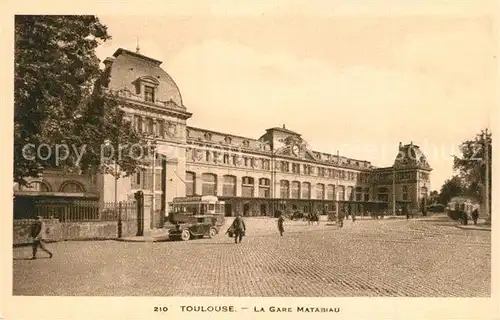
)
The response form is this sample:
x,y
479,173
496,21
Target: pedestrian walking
x,y
340,219
475,216
465,218
281,227
316,217
37,233
239,228
353,217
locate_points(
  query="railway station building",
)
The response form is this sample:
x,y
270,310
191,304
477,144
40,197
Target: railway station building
x,y
255,176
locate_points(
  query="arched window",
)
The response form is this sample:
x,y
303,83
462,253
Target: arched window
x,y
341,193
209,186
190,183
284,189
39,186
320,191
330,192
247,186
264,188
306,190
295,190
72,187
229,186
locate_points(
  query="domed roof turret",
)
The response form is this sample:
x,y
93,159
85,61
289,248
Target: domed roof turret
x,y
128,68
410,155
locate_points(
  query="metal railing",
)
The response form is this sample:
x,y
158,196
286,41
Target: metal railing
x,y
86,210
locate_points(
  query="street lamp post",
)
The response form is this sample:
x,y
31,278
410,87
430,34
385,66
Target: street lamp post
x,y
485,140
393,190
153,187
337,186
116,201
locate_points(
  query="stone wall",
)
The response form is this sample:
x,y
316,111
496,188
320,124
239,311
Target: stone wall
x,y
60,231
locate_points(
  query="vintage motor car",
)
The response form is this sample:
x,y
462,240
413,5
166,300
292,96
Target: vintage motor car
x,y
196,226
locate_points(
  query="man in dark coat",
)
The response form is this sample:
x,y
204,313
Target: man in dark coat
x,y
475,215
281,228
465,217
239,228
37,233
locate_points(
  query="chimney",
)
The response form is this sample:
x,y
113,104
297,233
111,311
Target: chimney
x,y
400,145
284,126
108,61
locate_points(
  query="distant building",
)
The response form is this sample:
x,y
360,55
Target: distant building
x,y
254,176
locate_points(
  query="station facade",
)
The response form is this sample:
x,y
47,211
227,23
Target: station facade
x,y
254,176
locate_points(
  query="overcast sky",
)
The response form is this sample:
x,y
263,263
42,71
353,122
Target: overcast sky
x,y
358,79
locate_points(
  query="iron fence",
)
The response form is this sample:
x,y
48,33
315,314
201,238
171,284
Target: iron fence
x,y
86,210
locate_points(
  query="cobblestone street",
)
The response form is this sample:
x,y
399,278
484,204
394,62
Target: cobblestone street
x,y
366,258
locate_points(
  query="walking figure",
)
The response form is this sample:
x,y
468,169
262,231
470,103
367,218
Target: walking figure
x,y
281,228
38,232
340,219
239,228
475,215
465,218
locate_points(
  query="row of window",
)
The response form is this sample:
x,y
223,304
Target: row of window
x,y
43,186
293,190
219,157
405,175
149,126
306,169
287,189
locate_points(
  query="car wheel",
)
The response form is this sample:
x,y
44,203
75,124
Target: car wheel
x,y
213,233
185,235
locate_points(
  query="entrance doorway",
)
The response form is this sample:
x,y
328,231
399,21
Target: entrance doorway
x,y
263,210
228,210
246,209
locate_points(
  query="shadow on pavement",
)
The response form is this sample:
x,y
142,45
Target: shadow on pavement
x,y
211,243
38,258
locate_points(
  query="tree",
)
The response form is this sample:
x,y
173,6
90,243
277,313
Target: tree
x,y
434,197
473,165
451,188
59,99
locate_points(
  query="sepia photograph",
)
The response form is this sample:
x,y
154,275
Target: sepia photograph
x,y
282,150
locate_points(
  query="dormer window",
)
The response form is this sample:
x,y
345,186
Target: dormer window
x,y
149,94
147,86
246,143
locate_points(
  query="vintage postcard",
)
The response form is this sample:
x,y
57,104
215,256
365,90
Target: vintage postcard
x,y
328,159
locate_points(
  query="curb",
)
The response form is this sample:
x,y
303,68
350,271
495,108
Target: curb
x,y
472,228
148,239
